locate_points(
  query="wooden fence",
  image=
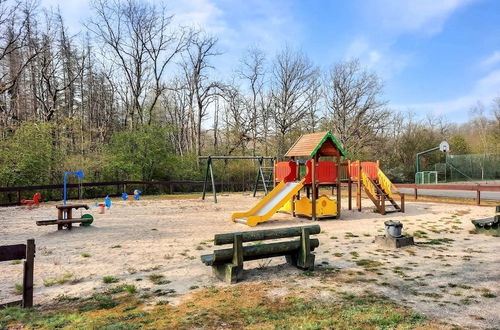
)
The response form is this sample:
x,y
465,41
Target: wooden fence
x,y
169,186
451,187
17,252
121,186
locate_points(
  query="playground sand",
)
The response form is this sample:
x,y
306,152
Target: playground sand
x,y
450,281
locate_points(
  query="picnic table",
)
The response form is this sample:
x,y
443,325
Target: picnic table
x,y
65,217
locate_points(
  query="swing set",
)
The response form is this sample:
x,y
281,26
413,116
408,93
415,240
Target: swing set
x,y
264,175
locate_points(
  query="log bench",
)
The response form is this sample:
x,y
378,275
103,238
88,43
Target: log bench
x,y
489,224
227,264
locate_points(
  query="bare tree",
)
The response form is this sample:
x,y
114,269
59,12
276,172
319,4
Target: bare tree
x,y
201,89
355,112
314,96
293,76
142,44
252,71
14,19
238,120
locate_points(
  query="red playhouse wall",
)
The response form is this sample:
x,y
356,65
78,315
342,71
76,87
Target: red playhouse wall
x,y
286,171
370,168
326,172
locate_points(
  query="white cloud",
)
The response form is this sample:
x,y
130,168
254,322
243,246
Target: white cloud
x,y
199,13
73,12
491,60
389,19
409,16
239,25
379,58
484,90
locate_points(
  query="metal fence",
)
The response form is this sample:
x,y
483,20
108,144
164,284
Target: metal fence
x,y
474,167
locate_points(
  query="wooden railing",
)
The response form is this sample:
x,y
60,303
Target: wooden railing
x,y
385,183
368,184
478,188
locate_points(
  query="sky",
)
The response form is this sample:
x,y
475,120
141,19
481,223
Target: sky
x,y
434,56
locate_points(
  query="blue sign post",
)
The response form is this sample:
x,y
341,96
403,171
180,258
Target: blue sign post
x,y
79,174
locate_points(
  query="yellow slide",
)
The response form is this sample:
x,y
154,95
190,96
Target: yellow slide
x,y
269,205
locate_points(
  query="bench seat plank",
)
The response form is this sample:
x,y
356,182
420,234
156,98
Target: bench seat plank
x,y
262,235
62,222
254,252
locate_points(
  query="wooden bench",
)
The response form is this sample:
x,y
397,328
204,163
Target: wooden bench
x,y
227,264
16,252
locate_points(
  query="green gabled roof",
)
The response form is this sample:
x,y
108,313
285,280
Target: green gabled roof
x,y
309,145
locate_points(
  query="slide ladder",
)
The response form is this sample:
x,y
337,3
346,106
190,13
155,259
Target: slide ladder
x,y
380,191
269,205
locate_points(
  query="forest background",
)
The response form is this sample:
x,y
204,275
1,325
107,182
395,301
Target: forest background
x,y
134,97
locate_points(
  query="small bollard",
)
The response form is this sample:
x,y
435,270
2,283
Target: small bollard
x,y
393,228
393,237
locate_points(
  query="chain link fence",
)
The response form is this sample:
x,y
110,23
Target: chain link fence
x,y
474,167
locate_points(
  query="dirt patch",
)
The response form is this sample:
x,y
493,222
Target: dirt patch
x,y
166,237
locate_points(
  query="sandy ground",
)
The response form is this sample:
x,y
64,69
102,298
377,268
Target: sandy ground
x,y
156,236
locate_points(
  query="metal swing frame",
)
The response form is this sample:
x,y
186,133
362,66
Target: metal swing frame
x,y
209,173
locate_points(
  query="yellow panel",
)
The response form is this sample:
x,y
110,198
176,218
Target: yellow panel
x,y
324,206
287,207
303,206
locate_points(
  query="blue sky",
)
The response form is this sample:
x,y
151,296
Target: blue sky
x,y
437,56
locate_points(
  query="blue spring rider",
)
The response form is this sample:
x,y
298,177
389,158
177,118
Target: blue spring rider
x,y
137,195
107,203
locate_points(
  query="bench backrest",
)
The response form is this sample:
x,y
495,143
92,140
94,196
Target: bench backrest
x,y
262,235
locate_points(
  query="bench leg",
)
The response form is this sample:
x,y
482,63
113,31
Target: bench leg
x,y
232,272
228,272
59,226
303,259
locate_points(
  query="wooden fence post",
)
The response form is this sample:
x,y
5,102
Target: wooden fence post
x,y
478,195
28,274
402,203
358,188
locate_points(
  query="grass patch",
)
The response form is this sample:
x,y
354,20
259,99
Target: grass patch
x,y
85,255
158,279
110,279
366,263
488,295
18,289
58,280
16,262
438,241
216,308
420,234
